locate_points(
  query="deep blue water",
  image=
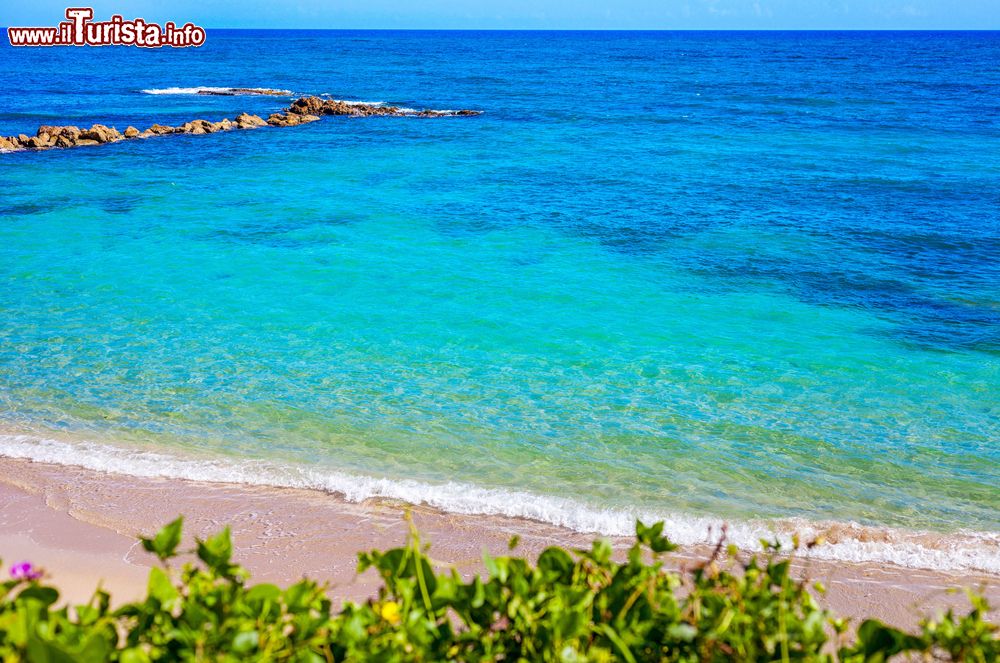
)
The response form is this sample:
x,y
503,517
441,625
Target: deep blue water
x,y
737,275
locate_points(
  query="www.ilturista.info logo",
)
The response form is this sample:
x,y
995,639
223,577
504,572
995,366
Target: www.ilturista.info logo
x,y
79,30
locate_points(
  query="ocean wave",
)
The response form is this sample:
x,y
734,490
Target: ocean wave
x,y
965,551
224,91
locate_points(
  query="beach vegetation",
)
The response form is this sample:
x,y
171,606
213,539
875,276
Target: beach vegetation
x,y
567,605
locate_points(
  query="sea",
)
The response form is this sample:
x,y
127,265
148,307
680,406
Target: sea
x,y
741,278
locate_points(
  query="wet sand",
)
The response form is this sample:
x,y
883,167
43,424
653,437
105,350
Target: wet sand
x,y
80,525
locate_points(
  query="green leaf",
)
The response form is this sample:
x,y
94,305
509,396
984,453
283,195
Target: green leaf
x,y
216,551
160,587
617,642
879,641
245,642
164,543
42,651
263,592
556,564
134,655
46,595
652,536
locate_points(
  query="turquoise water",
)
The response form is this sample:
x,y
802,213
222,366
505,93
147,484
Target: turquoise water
x,y
699,275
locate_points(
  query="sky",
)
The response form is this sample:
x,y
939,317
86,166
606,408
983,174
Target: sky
x,y
535,14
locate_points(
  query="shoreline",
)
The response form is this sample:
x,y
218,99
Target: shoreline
x,y
962,551
81,525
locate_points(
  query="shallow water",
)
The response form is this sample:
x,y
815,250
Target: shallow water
x,y
730,275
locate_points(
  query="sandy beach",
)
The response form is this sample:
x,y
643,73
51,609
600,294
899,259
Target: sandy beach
x,y
80,525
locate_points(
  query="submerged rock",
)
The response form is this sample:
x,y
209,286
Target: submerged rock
x,y
234,91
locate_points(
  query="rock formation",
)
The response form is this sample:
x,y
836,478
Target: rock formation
x,y
234,91
301,111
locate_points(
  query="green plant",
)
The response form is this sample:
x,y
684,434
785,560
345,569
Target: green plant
x,y
579,605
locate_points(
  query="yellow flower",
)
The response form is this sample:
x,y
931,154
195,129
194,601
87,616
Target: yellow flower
x,y
390,612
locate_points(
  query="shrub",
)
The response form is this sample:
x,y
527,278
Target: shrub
x,y
568,606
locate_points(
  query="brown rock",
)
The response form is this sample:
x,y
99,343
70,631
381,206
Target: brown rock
x,y
86,141
146,134
9,143
256,90
70,132
159,129
48,130
247,121
306,106
233,91
290,119
226,124
63,141
131,132
319,106
101,134
22,138
36,143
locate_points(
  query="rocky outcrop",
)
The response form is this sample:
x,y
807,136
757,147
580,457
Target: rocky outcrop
x,y
321,106
247,121
290,119
101,134
301,111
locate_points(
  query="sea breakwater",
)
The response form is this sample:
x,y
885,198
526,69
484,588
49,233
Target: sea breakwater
x,y
302,111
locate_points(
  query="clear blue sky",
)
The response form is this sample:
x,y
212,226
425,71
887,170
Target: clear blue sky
x,y
536,14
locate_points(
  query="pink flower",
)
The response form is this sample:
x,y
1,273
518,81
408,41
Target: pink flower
x,y
25,571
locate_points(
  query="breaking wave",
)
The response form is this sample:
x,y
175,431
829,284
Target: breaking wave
x,y
966,551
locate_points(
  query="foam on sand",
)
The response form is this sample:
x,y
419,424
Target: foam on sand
x,y
963,551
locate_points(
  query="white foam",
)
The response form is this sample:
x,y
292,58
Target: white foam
x,y
202,89
965,551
